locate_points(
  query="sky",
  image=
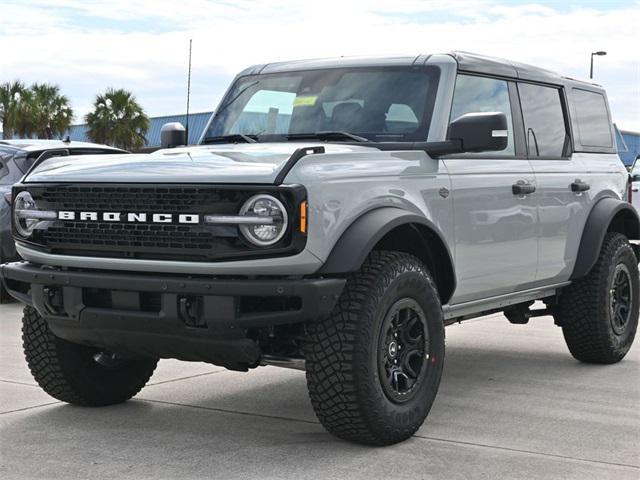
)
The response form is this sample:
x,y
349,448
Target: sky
x,y
88,46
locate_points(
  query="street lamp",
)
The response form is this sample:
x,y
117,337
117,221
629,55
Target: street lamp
x,y
600,54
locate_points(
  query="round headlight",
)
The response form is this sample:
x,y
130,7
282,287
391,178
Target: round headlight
x,y
275,218
21,206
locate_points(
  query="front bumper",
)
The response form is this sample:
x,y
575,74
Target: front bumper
x,y
197,318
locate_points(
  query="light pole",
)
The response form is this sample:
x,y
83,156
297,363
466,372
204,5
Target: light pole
x,y
600,53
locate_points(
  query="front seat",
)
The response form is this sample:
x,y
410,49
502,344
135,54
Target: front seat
x,y
307,119
347,117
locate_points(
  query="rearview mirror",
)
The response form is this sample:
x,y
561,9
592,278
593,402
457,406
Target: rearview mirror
x,y
172,135
480,132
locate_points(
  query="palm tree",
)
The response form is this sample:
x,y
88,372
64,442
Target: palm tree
x,y
39,110
52,113
10,96
118,120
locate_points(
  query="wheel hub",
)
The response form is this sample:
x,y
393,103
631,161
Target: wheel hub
x,y
621,299
403,350
393,349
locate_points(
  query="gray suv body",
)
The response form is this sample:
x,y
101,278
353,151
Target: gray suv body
x,y
337,214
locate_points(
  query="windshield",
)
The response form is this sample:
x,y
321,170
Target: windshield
x,y
379,104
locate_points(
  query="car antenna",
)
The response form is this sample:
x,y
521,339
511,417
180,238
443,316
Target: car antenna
x,y
67,139
186,128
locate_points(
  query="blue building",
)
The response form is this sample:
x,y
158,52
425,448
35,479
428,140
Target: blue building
x,y
628,142
628,146
197,124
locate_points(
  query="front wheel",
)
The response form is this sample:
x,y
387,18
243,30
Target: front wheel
x,y
374,365
599,313
78,374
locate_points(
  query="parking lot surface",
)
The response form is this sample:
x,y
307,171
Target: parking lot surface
x,y
512,404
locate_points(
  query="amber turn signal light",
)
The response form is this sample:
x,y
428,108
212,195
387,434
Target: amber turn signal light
x,y
303,217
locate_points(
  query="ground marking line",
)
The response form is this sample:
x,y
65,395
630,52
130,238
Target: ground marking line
x,y
162,382
517,450
479,445
30,408
223,410
15,382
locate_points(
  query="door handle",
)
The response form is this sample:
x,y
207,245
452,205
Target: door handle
x,y
523,188
580,186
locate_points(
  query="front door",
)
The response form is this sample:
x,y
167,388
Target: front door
x,y
495,211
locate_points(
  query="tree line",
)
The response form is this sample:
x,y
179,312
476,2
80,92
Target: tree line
x,y
42,111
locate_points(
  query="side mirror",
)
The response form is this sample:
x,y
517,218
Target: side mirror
x,y
172,135
480,132
636,178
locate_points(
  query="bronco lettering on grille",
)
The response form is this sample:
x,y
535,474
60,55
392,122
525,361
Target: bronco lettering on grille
x,y
135,217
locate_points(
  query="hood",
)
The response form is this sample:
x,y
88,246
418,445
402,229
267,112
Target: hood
x,y
228,163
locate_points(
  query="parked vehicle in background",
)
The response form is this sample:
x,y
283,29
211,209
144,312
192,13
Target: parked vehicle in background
x,y
16,158
635,188
337,216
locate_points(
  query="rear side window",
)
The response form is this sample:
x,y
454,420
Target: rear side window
x,y
545,128
593,119
9,173
480,94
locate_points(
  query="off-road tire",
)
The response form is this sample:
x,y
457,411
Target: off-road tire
x,y
68,371
341,352
585,307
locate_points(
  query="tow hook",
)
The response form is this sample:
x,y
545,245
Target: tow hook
x,y
190,311
52,300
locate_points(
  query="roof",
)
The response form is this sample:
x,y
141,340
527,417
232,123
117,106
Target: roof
x,y
31,145
470,62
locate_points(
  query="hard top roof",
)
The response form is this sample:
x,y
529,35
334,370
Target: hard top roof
x,y
469,62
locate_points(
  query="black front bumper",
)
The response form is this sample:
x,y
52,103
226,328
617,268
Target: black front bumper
x,y
198,318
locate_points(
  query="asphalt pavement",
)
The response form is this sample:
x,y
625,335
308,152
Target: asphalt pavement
x,y
512,404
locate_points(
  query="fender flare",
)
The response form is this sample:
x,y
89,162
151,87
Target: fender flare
x,y
352,248
597,225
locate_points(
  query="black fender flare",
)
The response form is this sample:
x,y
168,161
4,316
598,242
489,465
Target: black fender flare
x,y
357,241
598,224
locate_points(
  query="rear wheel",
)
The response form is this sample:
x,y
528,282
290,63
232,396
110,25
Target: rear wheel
x,y
374,365
76,373
599,313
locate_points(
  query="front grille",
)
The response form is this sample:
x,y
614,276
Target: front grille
x,y
174,199
147,240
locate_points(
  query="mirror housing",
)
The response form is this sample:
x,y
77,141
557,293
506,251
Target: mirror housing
x,y
172,135
636,178
480,132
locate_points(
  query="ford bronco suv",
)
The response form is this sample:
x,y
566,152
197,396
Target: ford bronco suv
x,y
335,217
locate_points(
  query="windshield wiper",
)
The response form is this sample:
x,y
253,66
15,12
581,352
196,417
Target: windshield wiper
x,y
328,135
232,138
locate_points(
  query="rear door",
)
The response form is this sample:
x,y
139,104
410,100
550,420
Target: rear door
x,y
562,194
496,246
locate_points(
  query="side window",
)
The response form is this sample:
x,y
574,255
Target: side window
x,y
4,167
481,94
9,174
594,126
545,129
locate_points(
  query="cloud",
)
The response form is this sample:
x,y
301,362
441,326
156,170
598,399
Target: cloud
x,y
86,47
